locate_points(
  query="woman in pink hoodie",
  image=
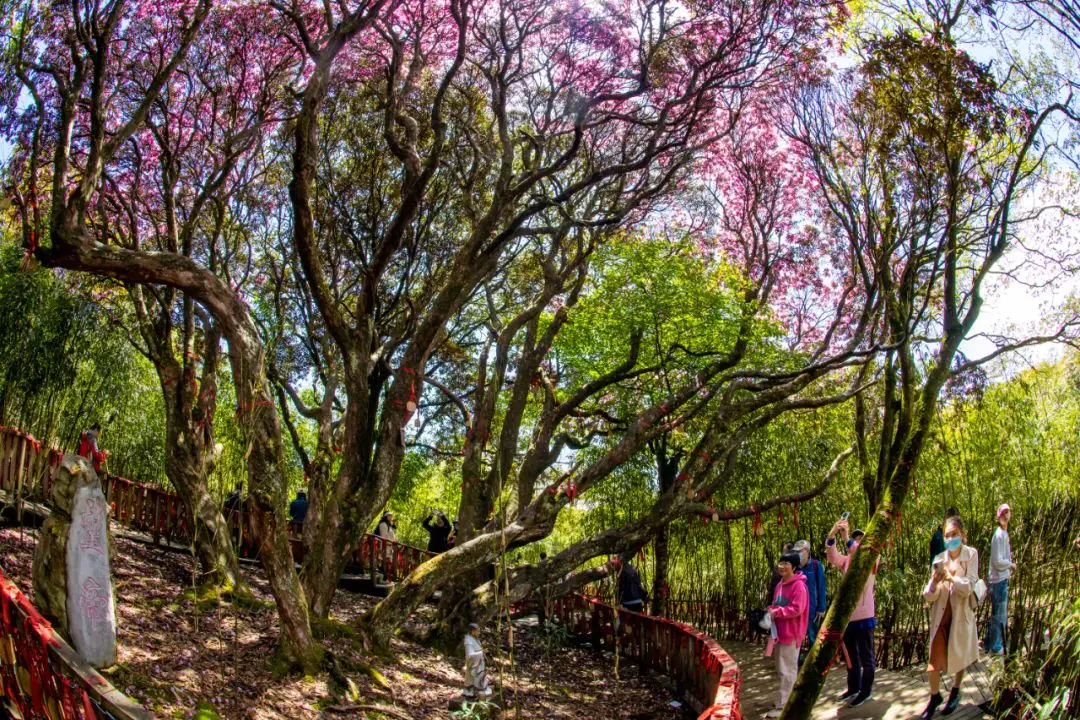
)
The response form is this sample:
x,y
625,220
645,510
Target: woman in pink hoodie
x,y
790,612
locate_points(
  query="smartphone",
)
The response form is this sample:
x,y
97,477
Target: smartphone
x,y
844,515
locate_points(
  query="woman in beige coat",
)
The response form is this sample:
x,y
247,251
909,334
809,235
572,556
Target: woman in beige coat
x,y
954,641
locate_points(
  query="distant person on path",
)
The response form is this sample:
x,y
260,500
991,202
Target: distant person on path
x,y
629,593
937,541
954,640
387,528
815,585
859,633
439,531
298,507
88,446
790,610
1001,569
233,501
774,580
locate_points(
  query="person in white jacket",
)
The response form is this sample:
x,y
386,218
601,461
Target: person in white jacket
x,y
1001,569
954,640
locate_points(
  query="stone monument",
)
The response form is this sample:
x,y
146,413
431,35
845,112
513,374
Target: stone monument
x,y
72,575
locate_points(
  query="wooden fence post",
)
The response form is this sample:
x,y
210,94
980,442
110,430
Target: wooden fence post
x,y
19,469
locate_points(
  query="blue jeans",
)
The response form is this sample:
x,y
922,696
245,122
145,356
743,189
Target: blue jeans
x,y
999,616
812,628
859,641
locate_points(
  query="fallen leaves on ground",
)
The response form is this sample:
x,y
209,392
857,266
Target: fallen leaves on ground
x,y
176,652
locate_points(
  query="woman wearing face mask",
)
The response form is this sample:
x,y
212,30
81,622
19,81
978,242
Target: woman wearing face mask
x,y
954,642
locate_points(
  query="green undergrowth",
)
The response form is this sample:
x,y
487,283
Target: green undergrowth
x,y
210,597
331,629
205,711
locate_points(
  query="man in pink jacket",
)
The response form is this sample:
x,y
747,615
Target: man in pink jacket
x,y
790,612
859,634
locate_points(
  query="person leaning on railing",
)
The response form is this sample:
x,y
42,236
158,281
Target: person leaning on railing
x,y
387,530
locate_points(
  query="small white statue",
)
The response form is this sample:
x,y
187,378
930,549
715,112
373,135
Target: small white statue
x,y
475,668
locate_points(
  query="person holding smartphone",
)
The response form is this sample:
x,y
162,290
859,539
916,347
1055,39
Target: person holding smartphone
x,y
954,640
859,633
439,529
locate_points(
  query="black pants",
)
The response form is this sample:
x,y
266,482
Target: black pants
x,y
860,648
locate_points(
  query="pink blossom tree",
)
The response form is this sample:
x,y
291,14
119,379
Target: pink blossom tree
x,y
187,184
494,133
109,87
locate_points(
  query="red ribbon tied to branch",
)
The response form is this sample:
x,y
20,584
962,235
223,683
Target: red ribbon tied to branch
x,y
756,528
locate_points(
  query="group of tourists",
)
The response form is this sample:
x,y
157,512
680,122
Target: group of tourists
x,y
442,533
796,608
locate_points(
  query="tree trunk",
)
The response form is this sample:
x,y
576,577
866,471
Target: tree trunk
x,y
326,558
660,574
380,621
267,491
213,546
340,524
667,469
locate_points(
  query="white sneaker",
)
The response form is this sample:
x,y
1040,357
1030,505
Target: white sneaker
x,y
774,713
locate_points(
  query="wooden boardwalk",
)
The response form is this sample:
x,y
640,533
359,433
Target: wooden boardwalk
x,y
897,695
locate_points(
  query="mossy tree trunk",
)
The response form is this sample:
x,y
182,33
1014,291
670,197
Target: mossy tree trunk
x,y
188,379
667,468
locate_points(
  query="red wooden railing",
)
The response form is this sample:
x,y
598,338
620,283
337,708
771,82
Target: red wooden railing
x,y
26,473
41,676
707,675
